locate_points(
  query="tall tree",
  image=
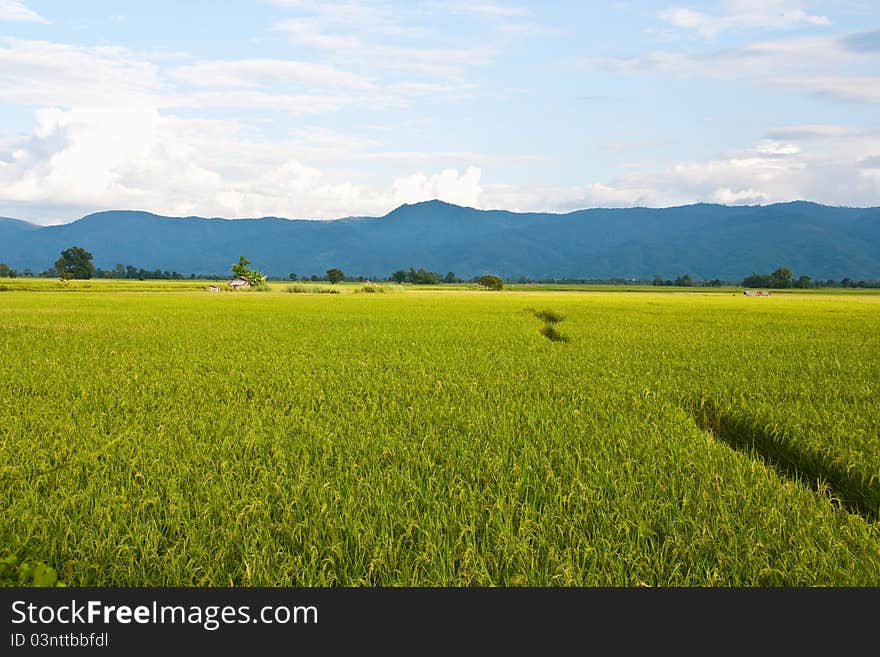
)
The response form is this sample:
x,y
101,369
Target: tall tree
x,y
75,262
335,275
782,277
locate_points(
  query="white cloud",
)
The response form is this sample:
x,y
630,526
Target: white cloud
x,y
81,160
295,104
373,17
845,172
378,56
447,185
810,65
862,89
46,73
15,10
810,132
761,59
727,196
40,73
489,10
770,147
388,40
561,198
107,136
93,159
757,14
246,73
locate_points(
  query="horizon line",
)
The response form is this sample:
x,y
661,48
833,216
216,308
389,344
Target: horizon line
x,y
447,203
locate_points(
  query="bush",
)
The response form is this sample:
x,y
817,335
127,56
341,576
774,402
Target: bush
x,y
309,289
491,282
371,288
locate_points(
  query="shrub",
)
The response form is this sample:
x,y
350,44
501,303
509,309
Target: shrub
x,y
309,289
372,288
491,282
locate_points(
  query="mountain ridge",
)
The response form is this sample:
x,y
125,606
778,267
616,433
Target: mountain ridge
x,y
704,240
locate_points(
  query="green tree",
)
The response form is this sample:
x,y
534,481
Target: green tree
x,y
684,281
491,281
803,282
335,275
75,262
399,276
292,276
781,278
252,276
241,269
657,282
422,276
450,277
5,270
756,280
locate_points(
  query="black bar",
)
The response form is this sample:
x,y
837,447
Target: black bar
x,y
450,620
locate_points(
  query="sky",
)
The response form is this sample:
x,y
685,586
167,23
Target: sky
x,y
320,110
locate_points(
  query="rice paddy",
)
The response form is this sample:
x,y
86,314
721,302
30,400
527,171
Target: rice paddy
x,y
162,435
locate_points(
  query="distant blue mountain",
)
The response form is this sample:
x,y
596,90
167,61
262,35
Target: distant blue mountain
x,y
703,240
10,226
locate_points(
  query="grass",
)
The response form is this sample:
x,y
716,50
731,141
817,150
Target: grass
x,y
433,438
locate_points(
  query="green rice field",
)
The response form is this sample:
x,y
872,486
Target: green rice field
x,y
156,434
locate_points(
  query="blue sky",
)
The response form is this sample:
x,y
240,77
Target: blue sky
x,y
309,109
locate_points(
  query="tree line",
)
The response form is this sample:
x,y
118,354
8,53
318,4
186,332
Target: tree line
x,y
783,278
415,276
78,263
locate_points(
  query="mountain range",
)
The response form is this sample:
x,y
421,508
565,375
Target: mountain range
x,y
704,240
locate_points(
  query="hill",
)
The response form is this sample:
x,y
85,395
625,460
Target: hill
x,y
704,240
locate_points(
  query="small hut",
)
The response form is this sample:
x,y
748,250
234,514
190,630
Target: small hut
x,y
239,283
